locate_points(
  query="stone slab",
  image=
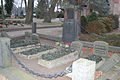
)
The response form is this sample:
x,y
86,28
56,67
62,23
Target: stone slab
x,y
111,75
112,61
59,61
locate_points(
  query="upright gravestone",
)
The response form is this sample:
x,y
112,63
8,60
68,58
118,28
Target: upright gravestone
x,y
31,37
34,37
112,61
70,30
34,27
27,36
71,26
83,69
100,48
5,57
77,45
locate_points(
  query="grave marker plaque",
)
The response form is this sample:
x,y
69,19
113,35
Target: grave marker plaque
x,y
27,36
77,45
31,37
100,48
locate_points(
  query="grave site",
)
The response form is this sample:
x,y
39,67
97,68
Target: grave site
x,y
76,48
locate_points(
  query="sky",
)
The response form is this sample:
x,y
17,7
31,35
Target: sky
x,y
18,3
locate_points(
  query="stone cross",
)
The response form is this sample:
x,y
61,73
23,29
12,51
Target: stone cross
x,y
83,69
100,48
5,57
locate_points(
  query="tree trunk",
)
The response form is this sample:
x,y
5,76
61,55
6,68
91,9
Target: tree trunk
x,y
2,10
50,12
29,11
40,9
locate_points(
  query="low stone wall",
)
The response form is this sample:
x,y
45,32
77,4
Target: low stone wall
x,y
59,61
85,43
100,63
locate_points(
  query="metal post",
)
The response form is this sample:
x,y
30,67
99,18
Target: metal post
x,y
34,27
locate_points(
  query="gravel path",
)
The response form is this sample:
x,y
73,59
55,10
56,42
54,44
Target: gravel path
x,y
56,32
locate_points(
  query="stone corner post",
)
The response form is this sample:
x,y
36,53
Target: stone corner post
x,y
5,57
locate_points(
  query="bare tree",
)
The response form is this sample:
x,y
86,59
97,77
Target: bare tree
x,y
46,9
50,11
29,6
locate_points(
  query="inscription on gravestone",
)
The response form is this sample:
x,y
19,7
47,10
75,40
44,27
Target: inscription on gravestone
x,y
101,48
112,61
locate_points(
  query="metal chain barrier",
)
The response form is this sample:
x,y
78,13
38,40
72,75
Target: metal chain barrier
x,y
54,75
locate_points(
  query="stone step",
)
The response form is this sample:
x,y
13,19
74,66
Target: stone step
x,y
13,73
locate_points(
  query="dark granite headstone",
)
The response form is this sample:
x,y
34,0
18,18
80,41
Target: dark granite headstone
x,y
34,27
71,30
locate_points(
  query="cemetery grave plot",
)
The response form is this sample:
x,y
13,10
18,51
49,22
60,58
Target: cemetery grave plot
x,y
59,57
29,49
98,59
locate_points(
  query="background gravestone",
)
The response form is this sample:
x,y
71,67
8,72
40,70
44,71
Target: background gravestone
x,y
70,30
77,45
27,36
112,61
34,37
5,57
71,26
30,37
34,27
100,48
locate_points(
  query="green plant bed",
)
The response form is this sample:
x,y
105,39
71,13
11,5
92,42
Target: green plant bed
x,y
36,50
18,21
95,58
57,54
19,43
